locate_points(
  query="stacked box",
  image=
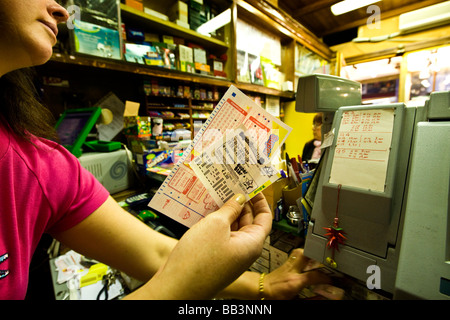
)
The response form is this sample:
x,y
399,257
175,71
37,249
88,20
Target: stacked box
x,y
200,61
197,14
153,56
179,12
137,126
137,4
218,67
186,59
97,30
151,158
156,14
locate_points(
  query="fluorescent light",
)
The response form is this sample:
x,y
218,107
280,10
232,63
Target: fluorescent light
x,y
350,5
215,23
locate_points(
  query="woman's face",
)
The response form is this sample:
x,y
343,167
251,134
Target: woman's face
x,y
317,131
28,32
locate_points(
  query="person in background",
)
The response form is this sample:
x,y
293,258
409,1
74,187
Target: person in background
x,y
311,150
44,189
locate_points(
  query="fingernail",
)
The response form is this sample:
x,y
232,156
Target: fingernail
x,y
240,198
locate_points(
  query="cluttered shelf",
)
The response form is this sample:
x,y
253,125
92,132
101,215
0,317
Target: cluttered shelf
x,y
159,72
119,65
170,27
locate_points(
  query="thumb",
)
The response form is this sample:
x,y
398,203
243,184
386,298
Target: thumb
x,y
232,208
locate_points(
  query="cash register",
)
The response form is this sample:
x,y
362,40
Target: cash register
x,y
380,198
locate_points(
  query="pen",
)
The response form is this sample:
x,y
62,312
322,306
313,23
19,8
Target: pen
x,y
290,170
295,167
287,165
293,175
301,163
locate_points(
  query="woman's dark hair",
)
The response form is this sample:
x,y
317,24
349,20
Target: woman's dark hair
x,y
21,108
318,119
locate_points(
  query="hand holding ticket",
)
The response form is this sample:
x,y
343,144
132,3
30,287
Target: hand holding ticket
x,y
231,154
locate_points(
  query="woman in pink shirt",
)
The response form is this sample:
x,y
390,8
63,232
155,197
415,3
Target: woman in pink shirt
x,y
43,189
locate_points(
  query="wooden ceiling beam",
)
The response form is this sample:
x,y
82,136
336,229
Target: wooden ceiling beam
x,y
314,6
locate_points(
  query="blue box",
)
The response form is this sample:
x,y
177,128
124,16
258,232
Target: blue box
x,y
96,40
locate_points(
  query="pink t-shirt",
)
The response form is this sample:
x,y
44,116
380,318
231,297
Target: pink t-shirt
x,y
43,189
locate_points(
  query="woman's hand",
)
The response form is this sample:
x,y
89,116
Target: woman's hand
x,y
289,279
214,252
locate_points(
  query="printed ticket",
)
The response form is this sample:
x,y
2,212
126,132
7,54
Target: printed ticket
x,y
231,153
235,164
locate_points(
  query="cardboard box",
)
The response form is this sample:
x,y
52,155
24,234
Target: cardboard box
x,y
137,126
203,68
135,52
179,11
217,67
186,59
200,61
274,192
137,4
156,14
153,57
182,24
96,40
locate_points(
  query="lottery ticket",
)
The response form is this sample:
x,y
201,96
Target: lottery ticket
x,y
184,197
235,164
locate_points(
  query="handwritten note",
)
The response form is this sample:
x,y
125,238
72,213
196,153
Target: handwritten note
x,y
362,149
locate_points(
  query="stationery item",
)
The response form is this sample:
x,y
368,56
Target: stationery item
x,y
294,181
295,166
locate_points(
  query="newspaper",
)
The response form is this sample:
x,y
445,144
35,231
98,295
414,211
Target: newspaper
x,y
231,153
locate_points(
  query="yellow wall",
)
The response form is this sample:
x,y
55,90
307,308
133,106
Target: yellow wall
x,y
301,124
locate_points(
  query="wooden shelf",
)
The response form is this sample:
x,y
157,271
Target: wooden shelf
x,y
264,90
160,72
202,109
120,65
166,107
175,119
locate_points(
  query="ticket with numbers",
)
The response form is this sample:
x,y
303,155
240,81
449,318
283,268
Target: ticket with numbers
x,y
242,139
234,164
